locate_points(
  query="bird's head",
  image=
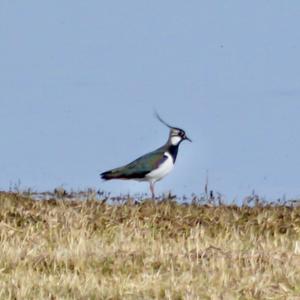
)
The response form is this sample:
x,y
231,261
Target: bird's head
x,y
177,135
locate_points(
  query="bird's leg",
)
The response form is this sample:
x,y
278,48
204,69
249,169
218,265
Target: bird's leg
x,y
152,190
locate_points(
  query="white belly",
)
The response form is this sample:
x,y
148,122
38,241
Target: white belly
x,y
165,168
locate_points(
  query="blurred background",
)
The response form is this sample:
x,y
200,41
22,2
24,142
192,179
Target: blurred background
x,y
79,81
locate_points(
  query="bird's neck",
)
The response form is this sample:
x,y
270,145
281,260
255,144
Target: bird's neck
x,y
172,146
173,150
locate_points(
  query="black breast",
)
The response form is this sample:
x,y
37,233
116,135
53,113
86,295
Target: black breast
x,y
173,149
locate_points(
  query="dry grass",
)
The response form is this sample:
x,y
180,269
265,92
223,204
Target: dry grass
x,y
62,249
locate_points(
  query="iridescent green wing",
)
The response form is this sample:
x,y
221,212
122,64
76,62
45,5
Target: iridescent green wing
x,y
140,167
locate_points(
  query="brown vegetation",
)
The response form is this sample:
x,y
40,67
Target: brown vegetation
x,y
62,249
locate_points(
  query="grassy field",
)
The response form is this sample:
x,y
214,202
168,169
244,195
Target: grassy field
x,y
60,249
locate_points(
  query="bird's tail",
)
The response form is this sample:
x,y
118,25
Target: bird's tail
x,y
111,174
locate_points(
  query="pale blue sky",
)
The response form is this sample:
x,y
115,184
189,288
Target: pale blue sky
x,y
79,81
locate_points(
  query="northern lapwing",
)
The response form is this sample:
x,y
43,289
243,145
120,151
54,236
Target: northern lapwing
x,y
152,166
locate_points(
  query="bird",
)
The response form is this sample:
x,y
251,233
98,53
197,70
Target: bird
x,y
154,165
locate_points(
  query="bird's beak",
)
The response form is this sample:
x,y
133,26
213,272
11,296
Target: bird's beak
x,y
186,138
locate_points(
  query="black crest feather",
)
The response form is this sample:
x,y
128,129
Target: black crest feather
x,y
161,120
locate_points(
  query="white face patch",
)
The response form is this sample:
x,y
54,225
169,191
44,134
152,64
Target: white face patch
x,y
175,140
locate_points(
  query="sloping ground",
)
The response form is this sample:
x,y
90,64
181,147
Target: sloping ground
x,y
60,249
